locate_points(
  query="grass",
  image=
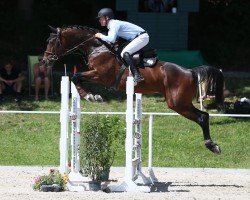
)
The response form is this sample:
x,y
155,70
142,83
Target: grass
x,y
33,139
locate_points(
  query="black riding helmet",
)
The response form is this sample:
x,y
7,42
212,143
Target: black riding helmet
x,y
106,12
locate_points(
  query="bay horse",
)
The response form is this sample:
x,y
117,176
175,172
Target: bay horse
x,y
177,85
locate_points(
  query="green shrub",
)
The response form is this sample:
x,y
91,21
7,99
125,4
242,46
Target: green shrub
x,y
100,139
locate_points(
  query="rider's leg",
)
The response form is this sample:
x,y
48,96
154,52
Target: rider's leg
x,y
129,61
134,46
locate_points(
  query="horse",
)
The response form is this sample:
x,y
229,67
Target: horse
x,y
212,82
177,84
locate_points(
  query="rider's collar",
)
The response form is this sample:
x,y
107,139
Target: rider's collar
x,y
110,21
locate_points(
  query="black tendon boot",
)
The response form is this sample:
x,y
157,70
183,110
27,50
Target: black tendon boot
x,y
129,61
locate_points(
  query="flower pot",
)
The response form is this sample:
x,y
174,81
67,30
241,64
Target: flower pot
x,y
94,185
50,188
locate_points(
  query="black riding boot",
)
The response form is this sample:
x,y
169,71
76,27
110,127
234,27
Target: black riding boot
x,y
129,61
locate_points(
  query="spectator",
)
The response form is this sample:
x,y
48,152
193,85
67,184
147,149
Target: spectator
x,y
157,5
170,4
143,6
41,75
10,81
160,5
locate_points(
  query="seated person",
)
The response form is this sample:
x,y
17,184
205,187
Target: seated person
x,y
161,5
10,81
143,6
157,5
41,75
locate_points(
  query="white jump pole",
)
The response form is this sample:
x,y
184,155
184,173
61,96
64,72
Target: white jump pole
x,y
64,120
75,116
128,183
129,128
139,177
77,182
152,176
200,92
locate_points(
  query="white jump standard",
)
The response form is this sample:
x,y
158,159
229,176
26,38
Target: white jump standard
x,y
76,182
134,179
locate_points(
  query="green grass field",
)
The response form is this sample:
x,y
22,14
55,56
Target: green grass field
x,y
33,139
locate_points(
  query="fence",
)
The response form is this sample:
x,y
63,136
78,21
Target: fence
x,y
150,121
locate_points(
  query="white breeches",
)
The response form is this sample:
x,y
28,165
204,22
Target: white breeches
x,y
136,44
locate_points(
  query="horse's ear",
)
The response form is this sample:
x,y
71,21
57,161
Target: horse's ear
x,y
53,29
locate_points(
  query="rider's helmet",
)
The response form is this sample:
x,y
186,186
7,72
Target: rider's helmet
x,y
106,12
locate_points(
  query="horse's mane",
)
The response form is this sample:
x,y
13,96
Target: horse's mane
x,y
53,36
79,27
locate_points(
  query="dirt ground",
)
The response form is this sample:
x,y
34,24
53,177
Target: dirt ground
x,y
173,183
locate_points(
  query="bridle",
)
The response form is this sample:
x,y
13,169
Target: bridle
x,y
53,56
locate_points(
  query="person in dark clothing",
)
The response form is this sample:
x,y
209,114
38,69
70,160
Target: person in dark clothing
x,y
41,76
10,81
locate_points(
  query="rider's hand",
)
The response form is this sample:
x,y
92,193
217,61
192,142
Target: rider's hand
x,y
98,35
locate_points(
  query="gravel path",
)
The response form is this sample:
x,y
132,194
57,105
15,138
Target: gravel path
x,y
174,183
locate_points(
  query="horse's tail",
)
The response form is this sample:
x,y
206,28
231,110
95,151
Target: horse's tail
x,y
214,79
219,87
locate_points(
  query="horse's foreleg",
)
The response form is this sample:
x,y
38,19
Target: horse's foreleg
x,y
90,77
201,118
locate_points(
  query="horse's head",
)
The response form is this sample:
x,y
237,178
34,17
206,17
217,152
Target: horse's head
x,y
63,41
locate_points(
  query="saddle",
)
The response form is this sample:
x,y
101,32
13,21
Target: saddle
x,y
146,57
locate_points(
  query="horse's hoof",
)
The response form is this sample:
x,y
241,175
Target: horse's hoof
x,y
213,147
98,98
90,97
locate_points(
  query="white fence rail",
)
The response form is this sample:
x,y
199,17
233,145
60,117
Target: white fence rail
x,y
119,113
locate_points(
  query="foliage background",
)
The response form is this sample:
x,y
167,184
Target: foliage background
x,y
220,30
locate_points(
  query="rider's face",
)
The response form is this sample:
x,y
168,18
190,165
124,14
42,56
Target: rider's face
x,y
103,21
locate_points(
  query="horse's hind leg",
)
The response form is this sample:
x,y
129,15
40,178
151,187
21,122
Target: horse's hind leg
x,y
203,121
201,118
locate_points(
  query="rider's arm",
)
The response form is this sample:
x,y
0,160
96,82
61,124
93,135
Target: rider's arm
x,y
112,34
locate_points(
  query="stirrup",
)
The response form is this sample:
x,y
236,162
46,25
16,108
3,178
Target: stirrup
x,y
138,78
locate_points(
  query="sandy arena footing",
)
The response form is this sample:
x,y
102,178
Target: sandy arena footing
x,y
174,183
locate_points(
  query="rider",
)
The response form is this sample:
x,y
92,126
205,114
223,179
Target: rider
x,y
137,36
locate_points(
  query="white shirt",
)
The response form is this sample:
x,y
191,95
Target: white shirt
x,y
125,30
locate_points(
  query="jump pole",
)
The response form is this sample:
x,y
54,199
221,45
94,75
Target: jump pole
x,y
64,121
134,180
200,91
77,182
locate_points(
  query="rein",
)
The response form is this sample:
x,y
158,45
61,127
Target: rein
x,y
75,47
55,57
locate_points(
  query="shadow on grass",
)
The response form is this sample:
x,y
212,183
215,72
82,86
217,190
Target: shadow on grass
x,y
26,103
230,120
